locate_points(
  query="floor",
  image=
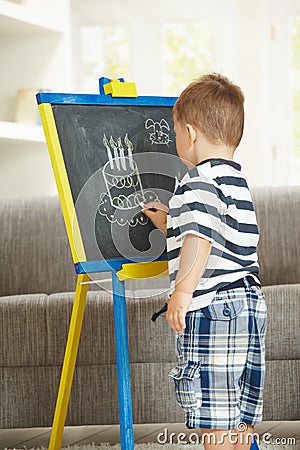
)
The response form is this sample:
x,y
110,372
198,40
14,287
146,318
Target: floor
x,y
162,433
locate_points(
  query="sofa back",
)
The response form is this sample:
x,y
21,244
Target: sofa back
x,y
278,217
35,255
34,251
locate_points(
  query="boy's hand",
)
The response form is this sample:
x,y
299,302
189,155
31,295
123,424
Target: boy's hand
x,y
157,213
178,306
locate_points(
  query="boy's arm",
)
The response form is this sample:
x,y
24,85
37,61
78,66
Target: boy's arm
x,y
193,259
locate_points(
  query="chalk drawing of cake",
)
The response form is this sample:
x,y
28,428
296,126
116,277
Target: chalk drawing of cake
x,y
124,190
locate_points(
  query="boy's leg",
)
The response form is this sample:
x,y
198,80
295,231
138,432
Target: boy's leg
x,y
216,439
244,439
221,439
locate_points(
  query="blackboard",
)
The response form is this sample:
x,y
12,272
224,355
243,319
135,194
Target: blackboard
x,y
117,156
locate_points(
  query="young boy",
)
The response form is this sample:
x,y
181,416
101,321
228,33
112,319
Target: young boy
x,y
217,308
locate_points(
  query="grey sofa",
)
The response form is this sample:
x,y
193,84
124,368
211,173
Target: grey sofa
x,y
37,281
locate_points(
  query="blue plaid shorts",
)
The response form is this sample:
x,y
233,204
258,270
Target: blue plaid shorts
x,y
221,361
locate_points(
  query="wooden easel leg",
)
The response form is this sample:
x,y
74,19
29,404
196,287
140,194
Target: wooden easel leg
x,y
123,366
69,364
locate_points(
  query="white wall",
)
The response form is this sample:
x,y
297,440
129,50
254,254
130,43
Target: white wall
x,y
244,49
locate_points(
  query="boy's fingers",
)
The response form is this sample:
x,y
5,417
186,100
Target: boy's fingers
x,y
150,204
149,209
182,319
171,321
149,213
156,205
176,320
176,326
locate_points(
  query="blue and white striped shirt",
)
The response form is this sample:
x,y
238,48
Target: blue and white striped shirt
x,y
213,201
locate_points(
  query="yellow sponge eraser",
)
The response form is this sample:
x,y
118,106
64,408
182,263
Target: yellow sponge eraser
x,y
119,88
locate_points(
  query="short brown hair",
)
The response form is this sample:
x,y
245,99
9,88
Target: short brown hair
x,y
215,106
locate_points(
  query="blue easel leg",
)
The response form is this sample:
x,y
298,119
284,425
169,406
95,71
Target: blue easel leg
x,y
254,445
123,366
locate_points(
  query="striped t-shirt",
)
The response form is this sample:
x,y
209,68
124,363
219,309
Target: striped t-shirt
x,y
213,201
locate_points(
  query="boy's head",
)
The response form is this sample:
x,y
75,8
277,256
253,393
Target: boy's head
x,y
215,106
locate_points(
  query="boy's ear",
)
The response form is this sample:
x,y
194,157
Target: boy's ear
x,y
192,134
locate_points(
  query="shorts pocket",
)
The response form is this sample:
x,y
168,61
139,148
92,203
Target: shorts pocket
x,y
187,379
225,310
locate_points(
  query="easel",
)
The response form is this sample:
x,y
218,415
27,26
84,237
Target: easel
x,y
120,270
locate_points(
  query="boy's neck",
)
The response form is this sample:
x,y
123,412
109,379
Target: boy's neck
x,y
211,151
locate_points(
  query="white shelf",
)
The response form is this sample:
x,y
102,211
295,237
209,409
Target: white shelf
x,y
17,132
35,51
18,20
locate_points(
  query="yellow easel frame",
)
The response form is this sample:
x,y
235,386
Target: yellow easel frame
x,y
62,182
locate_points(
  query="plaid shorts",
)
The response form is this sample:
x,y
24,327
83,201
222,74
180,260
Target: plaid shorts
x,y
221,361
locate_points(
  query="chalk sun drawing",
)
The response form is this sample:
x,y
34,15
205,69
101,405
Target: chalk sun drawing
x,y
124,190
159,133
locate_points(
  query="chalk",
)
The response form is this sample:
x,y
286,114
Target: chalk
x,y
150,209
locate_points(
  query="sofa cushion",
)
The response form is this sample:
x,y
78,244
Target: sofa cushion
x,y
35,327
34,330
283,331
28,399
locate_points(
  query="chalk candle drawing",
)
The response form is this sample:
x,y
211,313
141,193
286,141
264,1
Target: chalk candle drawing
x,y
124,190
158,134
